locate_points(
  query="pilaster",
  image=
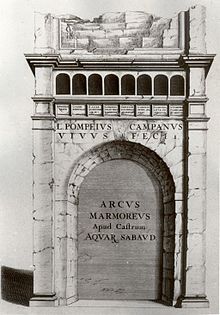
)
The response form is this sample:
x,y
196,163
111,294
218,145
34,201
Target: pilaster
x,y
43,191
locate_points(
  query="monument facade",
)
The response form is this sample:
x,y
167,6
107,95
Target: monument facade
x,y
119,158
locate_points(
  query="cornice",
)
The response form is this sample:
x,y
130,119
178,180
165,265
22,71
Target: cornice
x,y
196,61
118,100
128,62
163,61
197,99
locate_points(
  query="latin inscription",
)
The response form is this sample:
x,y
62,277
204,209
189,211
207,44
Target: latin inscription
x,y
78,110
127,110
95,110
111,110
143,110
124,220
62,110
159,110
175,110
79,131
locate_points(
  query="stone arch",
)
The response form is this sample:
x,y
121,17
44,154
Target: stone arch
x,y
128,84
95,84
177,85
149,160
62,83
79,84
111,84
144,85
161,85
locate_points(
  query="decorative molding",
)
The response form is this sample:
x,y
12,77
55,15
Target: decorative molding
x,y
197,61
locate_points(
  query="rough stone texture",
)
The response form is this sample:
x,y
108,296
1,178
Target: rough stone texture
x,y
167,32
149,42
43,81
43,207
126,150
78,33
57,183
197,17
197,81
42,33
75,158
157,29
195,268
171,35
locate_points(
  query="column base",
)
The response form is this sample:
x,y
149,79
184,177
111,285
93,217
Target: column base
x,y
43,300
193,302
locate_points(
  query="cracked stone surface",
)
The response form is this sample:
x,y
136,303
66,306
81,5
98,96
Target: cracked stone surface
x,y
119,32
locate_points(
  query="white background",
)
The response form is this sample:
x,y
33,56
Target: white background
x,y
16,90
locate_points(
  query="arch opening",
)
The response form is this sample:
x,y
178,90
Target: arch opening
x,y
144,85
155,166
120,228
128,85
160,85
177,85
62,83
79,84
111,85
95,84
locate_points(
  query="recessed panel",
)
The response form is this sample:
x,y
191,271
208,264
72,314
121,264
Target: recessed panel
x,y
119,233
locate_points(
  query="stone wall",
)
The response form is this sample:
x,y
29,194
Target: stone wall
x,y
120,32
75,160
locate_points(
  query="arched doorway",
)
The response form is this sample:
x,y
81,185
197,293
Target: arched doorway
x,y
161,179
120,227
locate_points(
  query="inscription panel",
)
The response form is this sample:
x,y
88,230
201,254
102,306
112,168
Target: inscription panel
x,y
119,110
119,233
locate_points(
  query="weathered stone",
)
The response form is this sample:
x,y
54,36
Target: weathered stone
x,y
197,163
197,77
157,29
43,79
113,17
197,16
62,161
112,26
88,26
170,38
114,33
142,26
197,142
138,16
195,281
132,32
150,42
90,34
105,42
130,42
42,33
82,43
